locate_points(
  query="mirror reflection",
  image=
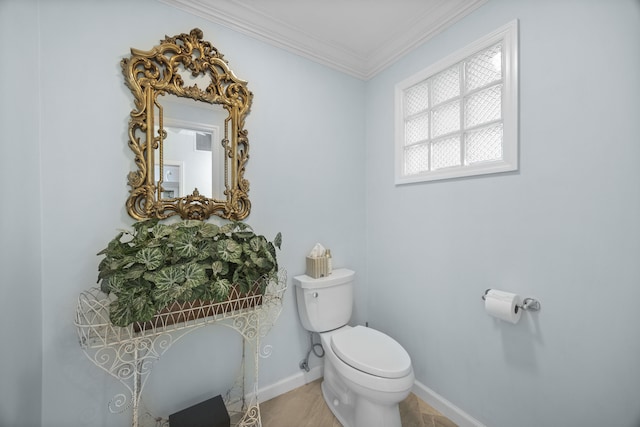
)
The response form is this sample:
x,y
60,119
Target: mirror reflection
x,y
192,148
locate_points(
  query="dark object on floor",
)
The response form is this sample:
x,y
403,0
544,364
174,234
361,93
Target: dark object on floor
x,y
210,413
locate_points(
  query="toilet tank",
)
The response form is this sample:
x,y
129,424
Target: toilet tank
x,y
325,303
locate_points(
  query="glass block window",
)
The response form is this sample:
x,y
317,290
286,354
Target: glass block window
x,y
459,116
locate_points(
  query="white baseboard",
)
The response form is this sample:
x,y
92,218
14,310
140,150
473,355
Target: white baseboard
x,y
448,409
290,383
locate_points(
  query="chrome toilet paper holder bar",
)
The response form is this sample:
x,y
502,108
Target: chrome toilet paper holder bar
x,y
529,304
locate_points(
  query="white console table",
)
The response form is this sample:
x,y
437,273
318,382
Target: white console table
x,y
129,353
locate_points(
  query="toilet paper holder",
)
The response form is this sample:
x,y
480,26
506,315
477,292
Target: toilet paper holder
x,y
529,304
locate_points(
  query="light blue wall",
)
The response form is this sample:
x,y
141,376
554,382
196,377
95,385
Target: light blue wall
x,y
20,257
565,229
306,131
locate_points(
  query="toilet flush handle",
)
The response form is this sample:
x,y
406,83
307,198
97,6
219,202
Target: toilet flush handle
x,y
315,295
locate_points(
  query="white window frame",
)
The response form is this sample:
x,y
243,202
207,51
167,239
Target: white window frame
x,y
508,36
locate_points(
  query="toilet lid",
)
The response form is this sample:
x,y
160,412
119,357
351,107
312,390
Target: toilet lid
x,y
372,352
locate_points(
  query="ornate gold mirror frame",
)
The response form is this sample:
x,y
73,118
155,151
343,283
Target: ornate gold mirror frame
x,y
153,74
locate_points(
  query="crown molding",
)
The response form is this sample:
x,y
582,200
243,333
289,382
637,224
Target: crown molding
x,y
244,19
425,27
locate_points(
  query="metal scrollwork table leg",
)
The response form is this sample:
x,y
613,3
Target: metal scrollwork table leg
x,y
130,355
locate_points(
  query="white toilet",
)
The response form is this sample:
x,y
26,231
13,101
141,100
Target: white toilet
x,y
366,373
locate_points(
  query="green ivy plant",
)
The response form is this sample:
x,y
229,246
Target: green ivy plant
x,y
158,264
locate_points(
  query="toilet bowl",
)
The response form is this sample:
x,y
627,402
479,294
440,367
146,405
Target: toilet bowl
x,y
366,372
363,382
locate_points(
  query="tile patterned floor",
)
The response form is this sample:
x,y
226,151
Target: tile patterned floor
x,y
305,407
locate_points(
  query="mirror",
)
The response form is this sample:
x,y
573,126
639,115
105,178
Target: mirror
x,y
187,132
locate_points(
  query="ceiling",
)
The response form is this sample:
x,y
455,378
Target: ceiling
x,y
357,37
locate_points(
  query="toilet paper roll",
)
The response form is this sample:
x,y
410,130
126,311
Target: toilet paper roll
x,y
503,305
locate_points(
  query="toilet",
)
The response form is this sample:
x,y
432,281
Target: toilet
x,y
366,372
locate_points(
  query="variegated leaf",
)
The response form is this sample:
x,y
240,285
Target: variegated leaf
x,y
221,289
229,250
195,275
151,258
169,276
209,230
185,245
277,241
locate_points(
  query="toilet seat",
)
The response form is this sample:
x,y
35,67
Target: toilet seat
x,y
371,351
